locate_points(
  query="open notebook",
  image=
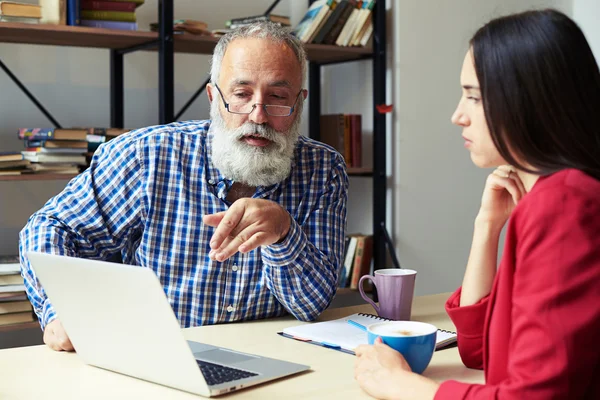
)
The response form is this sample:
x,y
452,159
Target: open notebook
x,y
340,335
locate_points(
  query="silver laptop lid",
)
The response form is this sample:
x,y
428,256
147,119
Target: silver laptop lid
x,y
118,318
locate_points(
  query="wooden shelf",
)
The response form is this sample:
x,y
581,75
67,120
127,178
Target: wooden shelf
x,y
23,325
80,36
37,177
363,171
342,291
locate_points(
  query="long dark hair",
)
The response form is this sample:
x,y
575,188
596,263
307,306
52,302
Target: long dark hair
x,y
540,87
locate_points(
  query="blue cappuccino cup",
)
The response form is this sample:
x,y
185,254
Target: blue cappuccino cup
x,y
414,340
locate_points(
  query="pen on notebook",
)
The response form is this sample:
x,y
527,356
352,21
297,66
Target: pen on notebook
x,y
357,325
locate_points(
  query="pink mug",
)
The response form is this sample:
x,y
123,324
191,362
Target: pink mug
x,y
395,289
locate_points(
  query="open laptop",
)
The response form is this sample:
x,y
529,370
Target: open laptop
x,y
118,318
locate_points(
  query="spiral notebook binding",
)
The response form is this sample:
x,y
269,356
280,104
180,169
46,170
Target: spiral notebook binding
x,y
374,317
377,317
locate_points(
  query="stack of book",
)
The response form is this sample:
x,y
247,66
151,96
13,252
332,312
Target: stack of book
x,y
181,26
110,14
337,22
12,163
358,254
343,132
66,151
234,23
20,12
14,306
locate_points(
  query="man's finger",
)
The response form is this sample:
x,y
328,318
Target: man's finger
x,y
236,241
257,240
228,223
213,219
65,343
213,253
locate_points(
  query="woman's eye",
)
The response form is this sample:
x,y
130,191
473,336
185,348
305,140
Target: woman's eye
x,y
473,99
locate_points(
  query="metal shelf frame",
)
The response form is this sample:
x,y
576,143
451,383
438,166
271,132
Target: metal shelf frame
x,y
166,46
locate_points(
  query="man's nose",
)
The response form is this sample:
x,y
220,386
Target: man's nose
x,y
259,114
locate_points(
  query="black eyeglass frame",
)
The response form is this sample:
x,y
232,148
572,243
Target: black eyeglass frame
x,y
264,106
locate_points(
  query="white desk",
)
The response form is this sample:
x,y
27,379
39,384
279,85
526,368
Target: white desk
x,y
39,373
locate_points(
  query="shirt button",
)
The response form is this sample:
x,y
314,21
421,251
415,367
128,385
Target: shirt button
x,y
211,182
230,309
235,267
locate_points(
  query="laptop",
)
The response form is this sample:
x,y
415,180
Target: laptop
x,y
118,318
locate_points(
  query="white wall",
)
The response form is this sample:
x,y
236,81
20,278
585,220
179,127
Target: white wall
x,y
436,188
587,14
347,88
73,84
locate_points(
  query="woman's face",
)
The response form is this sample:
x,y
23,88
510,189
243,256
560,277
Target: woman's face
x,y
470,116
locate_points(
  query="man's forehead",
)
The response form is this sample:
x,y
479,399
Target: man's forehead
x,y
246,58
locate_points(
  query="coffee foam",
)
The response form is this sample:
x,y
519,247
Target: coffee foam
x,y
402,328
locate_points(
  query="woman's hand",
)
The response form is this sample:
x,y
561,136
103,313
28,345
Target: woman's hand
x,y
383,373
503,190
377,368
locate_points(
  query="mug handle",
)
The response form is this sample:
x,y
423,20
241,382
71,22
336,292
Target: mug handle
x,y
362,292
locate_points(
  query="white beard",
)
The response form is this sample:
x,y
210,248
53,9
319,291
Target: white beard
x,y
252,165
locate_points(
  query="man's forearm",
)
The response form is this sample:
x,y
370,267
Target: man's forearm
x,y
299,275
40,234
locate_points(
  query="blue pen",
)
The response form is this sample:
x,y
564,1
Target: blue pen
x,y
357,325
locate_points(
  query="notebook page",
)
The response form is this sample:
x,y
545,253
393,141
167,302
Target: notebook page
x,y
348,337
338,331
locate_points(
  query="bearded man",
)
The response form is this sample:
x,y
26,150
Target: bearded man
x,y
240,216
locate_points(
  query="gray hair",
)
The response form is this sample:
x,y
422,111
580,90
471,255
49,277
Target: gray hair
x,y
259,30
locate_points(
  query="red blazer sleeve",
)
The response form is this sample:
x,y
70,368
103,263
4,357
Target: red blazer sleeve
x,y
469,327
552,351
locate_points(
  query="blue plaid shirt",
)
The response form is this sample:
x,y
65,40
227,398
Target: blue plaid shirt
x,y
144,196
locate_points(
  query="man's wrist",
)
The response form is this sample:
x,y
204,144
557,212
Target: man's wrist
x,y
286,228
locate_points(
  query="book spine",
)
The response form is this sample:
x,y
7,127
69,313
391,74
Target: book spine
x,y
108,15
356,135
358,256
339,24
107,6
73,14
122,26
137,2
35,133
348,141
249,20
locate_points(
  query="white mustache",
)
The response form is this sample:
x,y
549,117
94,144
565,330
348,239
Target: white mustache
x,y
250,128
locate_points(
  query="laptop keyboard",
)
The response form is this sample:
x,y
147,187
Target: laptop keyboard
x,y
216,374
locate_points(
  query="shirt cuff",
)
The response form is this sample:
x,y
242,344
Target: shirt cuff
x,y
280,254
48,314
463,317
452,390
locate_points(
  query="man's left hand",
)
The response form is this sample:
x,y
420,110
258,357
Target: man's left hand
x,y
248,224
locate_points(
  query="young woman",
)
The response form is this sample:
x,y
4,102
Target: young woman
x,y
531,108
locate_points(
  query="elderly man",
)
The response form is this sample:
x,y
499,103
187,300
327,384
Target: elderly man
x,y
239,216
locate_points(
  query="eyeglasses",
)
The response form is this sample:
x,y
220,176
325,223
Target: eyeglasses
x,y
247,108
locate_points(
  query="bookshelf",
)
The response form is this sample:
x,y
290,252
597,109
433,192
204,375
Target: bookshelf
x,y
37,177
79,36
378,173
165,44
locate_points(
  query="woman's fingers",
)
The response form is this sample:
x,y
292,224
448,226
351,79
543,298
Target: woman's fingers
x,y
507,177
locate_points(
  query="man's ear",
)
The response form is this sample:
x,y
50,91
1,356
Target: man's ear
x,y
209,92
304,93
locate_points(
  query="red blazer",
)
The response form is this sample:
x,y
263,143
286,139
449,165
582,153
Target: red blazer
x,y
537,334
